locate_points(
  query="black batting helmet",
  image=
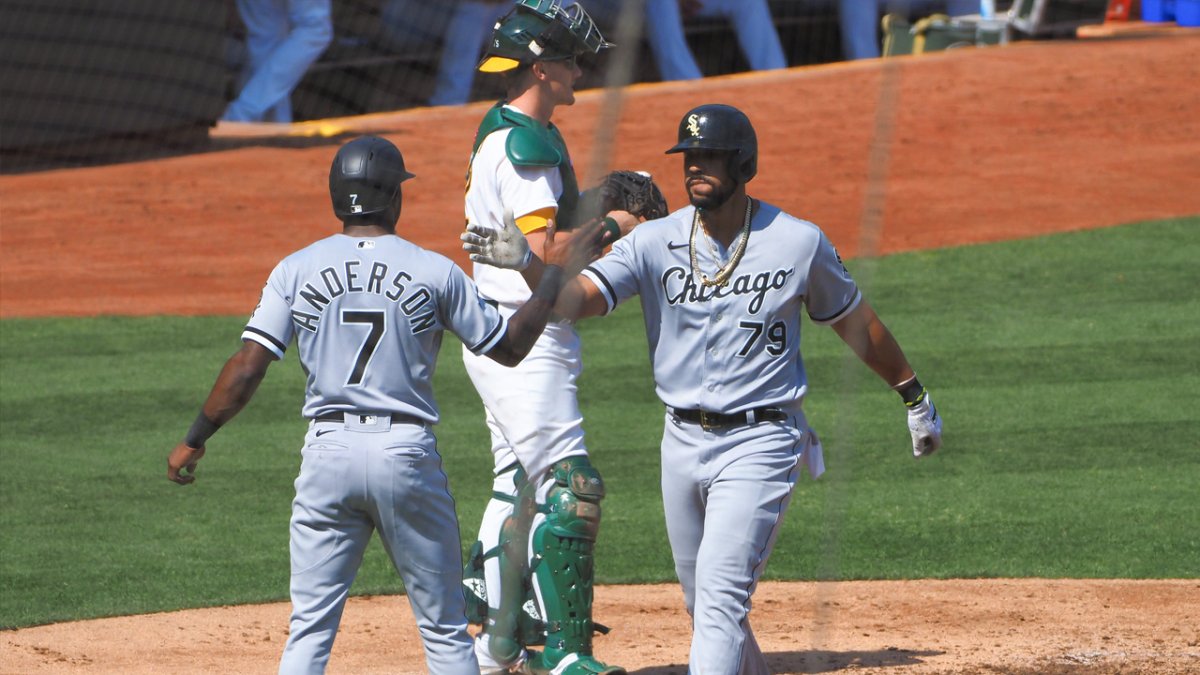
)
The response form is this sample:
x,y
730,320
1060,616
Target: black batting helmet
x,y
365,177
715,126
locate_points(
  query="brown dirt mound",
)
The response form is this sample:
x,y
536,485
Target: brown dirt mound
x,y
956,626
984,145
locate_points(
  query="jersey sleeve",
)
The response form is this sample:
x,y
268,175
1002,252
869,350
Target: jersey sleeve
x,y
476,322
832,293
527,189
615,274
271,323
524,189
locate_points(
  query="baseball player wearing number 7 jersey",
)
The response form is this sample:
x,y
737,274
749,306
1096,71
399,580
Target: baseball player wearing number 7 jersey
x,y
367,310
723,283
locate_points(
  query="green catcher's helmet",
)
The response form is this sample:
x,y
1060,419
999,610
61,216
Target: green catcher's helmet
x,y
541,30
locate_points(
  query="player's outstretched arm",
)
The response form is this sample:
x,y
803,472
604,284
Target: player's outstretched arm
x,y
234,388
507,248
564,259
510,249
865,333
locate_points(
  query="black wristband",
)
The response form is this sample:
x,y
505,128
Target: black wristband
x,y
911,391
611,227
202,429
551,283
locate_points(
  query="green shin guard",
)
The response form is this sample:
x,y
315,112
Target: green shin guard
x,y
563,567
504,625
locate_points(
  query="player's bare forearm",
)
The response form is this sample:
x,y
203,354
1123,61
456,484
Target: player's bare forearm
x,y
234,388
533,273
530,320
874,344
580,299
564,258
237,382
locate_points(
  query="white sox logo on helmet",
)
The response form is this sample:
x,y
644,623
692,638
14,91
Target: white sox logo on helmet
x,y
694,125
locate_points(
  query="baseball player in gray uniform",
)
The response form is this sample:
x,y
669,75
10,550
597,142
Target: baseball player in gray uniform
x,y
723,284
367,310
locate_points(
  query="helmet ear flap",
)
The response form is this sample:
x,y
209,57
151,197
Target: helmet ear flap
x,y
735,166
742,166
748,168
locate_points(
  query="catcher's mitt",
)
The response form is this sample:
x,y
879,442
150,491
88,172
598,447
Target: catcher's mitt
x,y
632,191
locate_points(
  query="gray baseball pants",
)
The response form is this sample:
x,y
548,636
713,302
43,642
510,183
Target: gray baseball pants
x,y
357,478
724,495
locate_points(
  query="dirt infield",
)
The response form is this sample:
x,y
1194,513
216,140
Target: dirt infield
x,y
973,626
981,145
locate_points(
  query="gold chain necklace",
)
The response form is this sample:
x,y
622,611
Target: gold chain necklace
x,y
739,249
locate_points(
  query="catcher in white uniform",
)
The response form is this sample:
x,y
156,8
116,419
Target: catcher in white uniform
x,y
723,283
545,511
367,310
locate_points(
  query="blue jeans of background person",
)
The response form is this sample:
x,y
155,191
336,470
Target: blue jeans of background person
x,y
751,21
283,38
466,36
859,20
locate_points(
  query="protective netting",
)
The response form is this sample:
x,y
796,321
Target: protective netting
x,y
93,78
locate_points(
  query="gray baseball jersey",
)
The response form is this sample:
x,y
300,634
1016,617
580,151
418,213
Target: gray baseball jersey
x,y
368,316
728,349
737,347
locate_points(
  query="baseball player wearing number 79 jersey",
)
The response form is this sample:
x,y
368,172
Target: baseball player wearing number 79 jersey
x,y
723,284
367,310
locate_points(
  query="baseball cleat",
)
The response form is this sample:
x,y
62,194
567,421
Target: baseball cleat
x,y
574,664
489,666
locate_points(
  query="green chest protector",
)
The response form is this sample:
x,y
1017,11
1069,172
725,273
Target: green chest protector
x,y
531,144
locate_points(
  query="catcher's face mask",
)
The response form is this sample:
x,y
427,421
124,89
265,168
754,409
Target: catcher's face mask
x,y
541,30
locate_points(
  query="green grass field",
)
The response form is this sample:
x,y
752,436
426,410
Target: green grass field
x,y
1067,369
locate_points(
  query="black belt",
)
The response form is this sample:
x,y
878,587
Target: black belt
x,y
713,420
397,418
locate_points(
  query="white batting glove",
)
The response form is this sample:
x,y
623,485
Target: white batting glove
x,y
505,248
925,425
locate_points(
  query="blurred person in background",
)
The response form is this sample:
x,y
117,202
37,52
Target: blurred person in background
x,y
283,38
466,34
860,27
751,20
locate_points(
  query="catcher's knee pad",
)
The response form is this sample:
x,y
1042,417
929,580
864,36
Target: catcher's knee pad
x,y
562,569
